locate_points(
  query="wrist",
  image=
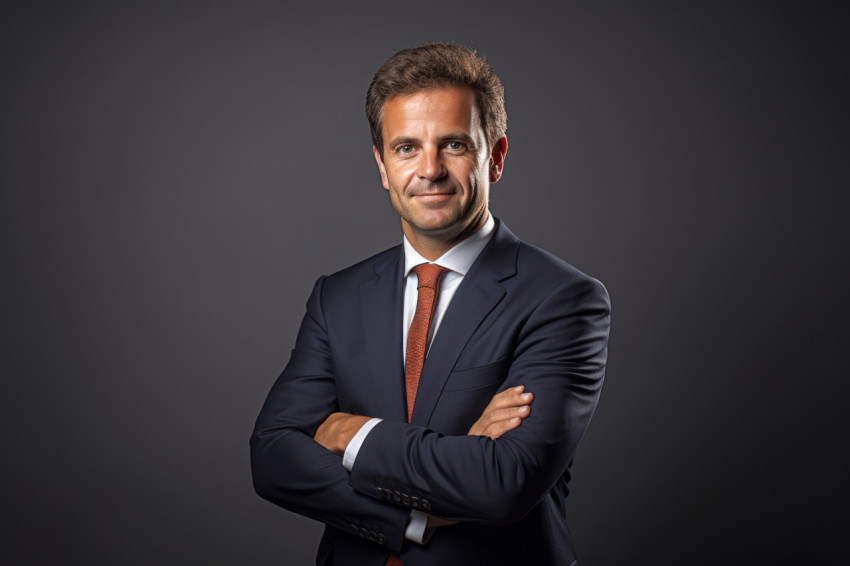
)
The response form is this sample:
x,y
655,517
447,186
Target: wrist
x,y
344,428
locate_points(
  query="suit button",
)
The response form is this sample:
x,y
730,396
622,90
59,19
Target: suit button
x,y
414,502
426,505
396,496
405,500
380,491
373,536
363,532
352,529
382,539
386,493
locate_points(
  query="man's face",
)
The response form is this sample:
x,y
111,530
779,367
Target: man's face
x,y
436,164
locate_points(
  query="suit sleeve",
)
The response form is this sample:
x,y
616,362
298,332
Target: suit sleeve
x,y
559,355
289,468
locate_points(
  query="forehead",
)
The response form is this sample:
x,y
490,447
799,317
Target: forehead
x,y
431,111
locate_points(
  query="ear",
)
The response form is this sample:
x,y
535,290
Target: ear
x,y
497,158
381,168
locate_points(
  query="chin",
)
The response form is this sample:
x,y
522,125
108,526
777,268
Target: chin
x,y
437,226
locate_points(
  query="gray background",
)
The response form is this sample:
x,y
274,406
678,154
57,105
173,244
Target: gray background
x,y
176,175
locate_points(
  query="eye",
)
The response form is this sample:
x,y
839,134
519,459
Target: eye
x,y
405,149
455,146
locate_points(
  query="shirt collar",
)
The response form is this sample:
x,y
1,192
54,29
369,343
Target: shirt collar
x,y
460,258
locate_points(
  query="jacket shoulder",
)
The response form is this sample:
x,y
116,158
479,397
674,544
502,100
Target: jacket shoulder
x,y
366,269
546,272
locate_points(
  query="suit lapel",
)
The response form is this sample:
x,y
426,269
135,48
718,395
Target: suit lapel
x,y
478,294
380,308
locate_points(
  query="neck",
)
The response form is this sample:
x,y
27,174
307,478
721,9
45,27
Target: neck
x,y
433,245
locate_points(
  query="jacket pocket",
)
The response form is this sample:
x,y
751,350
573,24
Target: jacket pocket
x,y
477,377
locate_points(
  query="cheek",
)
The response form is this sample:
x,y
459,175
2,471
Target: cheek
x,y
476,178
397,176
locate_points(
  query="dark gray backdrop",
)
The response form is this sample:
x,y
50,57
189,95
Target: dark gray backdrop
x,y
176,175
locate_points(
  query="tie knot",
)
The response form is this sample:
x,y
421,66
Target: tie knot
x,y
429,274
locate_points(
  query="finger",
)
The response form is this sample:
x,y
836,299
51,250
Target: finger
x,y
499,418
509,413
512,399
510,396
492,414
496,430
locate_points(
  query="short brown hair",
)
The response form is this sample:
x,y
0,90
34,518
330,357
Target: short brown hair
x,y
436,65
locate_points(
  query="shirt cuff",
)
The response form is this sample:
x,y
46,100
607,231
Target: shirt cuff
x,y
354,446
417,530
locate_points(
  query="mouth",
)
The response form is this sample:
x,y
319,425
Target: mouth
x,y
433,195
428,197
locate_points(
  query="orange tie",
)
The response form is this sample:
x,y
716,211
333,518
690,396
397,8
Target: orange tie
x,y
428,275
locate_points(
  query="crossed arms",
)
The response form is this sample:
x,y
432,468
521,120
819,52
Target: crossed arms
x,y
504,412
494,474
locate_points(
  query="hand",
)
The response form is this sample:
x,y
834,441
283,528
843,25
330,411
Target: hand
x,y
505,412
337,431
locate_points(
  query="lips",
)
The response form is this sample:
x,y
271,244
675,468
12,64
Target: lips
x,y
432,192
434,198
441,194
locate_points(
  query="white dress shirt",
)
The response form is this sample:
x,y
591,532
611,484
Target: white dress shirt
x,y
458,259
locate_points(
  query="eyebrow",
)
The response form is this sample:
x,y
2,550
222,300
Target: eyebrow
x,y
401,141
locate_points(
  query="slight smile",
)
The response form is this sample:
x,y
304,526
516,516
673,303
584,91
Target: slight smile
x,y
434,197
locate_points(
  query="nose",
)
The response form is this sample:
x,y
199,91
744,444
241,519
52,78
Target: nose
x,y
431,165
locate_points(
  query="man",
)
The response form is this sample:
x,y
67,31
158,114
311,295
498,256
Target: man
x,y
437,391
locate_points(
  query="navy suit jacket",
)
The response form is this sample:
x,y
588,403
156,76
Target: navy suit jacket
x,y
520,317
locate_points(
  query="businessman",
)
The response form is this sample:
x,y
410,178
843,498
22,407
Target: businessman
x,y
437,392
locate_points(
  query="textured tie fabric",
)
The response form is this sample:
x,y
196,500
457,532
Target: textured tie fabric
x,y
428,276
